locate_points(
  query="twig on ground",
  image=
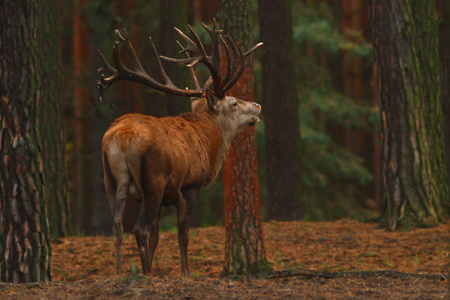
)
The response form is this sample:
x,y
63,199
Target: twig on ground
x,y
299,272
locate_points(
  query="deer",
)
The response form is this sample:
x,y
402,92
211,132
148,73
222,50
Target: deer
x,y
166,161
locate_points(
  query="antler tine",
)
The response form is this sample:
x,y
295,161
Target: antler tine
x,y
192,74
235,61
106,67
229,84
104,83
198,42
162,71
233,67
214,34
229,60
253,49
191,47
134,59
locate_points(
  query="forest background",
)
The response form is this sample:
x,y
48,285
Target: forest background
x,y
341,137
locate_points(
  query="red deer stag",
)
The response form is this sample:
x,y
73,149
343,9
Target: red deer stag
x,y
166,161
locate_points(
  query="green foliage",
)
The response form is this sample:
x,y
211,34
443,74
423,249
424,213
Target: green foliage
x,y
332,174
314,24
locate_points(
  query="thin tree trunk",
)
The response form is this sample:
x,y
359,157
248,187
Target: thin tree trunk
x,y
378,151
100,33
244,250
405,48
356,76
51,117
81,204
24,230
281,117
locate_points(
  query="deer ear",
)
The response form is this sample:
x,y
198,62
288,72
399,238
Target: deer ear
x,y
212,99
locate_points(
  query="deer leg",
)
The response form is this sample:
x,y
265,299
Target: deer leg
x,y
153,239
148,221
117,180
184,217
118,209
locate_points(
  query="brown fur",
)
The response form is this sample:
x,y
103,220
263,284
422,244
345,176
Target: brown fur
x,y
165,162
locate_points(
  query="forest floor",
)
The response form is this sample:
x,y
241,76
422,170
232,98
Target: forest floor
x,y
83,267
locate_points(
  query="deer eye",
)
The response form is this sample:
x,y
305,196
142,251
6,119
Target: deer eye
x,y
235,104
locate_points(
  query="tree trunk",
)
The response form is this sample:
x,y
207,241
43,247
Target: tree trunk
x,y
356,76
51,118
281,117
443,11
244,250
405,48
174,14
24,230
82,202
101,28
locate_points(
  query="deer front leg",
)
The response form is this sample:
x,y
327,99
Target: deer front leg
x,y
184,217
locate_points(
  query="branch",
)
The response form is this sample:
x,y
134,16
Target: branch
x,y
299,272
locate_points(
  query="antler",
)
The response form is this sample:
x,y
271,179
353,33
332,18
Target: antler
x,y
195,52
137,73
234,67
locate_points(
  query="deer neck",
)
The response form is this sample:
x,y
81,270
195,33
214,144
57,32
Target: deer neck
x,y
213,130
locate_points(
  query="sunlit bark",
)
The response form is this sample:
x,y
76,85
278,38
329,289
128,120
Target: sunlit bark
x,y
244,251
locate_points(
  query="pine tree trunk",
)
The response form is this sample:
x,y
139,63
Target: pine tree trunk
x,y
51,118
443,11
405,48
244,250
24,230
281,117
82,203
356,75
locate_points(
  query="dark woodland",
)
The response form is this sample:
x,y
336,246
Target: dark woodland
x,y
353,141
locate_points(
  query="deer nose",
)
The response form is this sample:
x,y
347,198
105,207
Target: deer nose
x,y
256,104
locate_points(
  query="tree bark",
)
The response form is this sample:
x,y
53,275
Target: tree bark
x,y
281,117
82,202
244,250
24,230
51,118
405,48
443,12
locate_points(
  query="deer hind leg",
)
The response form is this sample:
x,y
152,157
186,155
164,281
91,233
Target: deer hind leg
x,y
119,207
117,180
146,229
